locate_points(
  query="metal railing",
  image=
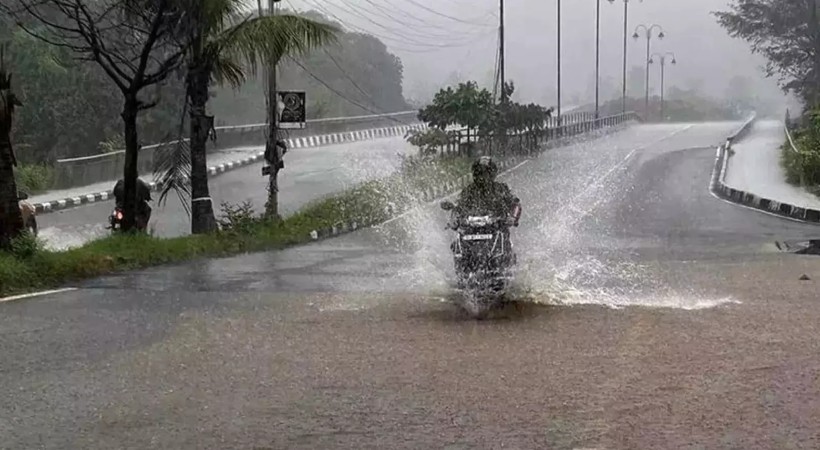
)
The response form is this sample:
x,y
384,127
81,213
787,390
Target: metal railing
x,y
527,141
87,170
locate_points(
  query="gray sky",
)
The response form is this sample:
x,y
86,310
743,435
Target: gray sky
x,y
435,38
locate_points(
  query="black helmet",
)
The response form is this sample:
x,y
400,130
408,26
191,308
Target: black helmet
x,y
485,168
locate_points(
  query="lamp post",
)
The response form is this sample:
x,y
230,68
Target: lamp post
x,y
559,67
648,30
626,35
662,59
597,58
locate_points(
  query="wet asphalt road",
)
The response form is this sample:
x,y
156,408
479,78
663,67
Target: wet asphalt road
x,y
651,315
310,173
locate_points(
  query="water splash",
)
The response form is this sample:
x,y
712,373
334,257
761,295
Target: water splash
x,y
566,255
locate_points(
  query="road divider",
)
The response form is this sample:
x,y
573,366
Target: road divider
x,y
293,143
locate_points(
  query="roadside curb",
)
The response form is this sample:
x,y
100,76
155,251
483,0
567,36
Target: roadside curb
x,y
719,188
294,143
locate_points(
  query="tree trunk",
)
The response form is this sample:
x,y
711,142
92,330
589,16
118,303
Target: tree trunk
x,y
272,205
202,210
11,220
130,169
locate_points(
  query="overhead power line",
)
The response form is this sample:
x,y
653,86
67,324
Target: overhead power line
x,y
341,95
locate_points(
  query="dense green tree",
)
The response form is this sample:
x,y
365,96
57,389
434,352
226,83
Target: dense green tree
x,y
787,34
356,75
76,105
466,106
131,41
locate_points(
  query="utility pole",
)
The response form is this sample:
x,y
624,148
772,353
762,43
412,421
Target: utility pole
x,y
597,58
661,35
271,151
662,59
558,108
501,51
648,49
626,22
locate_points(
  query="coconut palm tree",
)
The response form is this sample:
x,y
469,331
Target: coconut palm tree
x,y
11,220
226,42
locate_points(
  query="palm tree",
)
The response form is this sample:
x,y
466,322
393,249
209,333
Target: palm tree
x,y
224,41
11,220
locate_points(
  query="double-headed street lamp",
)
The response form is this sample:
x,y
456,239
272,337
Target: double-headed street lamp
x,y
648,30
662,59
626,34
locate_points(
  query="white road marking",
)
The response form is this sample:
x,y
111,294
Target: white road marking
x,y
35,294
593,187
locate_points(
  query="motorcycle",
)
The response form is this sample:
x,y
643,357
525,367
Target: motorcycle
x,y
483,258
116,218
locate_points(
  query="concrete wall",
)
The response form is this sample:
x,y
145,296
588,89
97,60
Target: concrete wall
x,y
93,169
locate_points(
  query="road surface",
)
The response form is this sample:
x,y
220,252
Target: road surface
x,y
310,173
651,315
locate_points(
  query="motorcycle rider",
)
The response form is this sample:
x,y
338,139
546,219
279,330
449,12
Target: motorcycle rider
x,y
143,197
486,195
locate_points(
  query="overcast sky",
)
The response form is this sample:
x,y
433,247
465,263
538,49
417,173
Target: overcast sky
x,y
435,38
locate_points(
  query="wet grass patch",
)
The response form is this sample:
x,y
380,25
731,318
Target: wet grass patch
x,y
29,267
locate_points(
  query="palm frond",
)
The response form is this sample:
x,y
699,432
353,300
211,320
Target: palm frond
x,y
227,70
172,168
270,38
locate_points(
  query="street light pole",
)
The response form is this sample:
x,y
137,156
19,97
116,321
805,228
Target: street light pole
x,y
626,21
501,52
597,58
559,65
661,35
662,59
626,40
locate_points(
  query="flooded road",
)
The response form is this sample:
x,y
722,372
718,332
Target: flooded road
x,y
649,315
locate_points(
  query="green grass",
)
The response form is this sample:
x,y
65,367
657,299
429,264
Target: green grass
x,y
33,179
27,267
803,168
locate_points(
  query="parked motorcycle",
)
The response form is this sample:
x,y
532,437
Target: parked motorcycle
x,y
116,218
483,256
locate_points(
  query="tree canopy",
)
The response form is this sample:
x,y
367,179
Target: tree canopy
x,y
467,105
356,75
787,34
75,109
74,106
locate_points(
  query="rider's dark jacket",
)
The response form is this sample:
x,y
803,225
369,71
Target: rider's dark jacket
x,y
486,197
143,194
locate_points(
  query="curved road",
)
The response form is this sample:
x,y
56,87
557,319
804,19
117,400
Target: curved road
x,y
650,315
310,173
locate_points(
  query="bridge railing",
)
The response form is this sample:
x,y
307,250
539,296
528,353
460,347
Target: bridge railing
x,y
105,167
462,142
87,170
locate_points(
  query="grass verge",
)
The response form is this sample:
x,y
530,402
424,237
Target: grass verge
x,y
802,167
33,179
28,267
